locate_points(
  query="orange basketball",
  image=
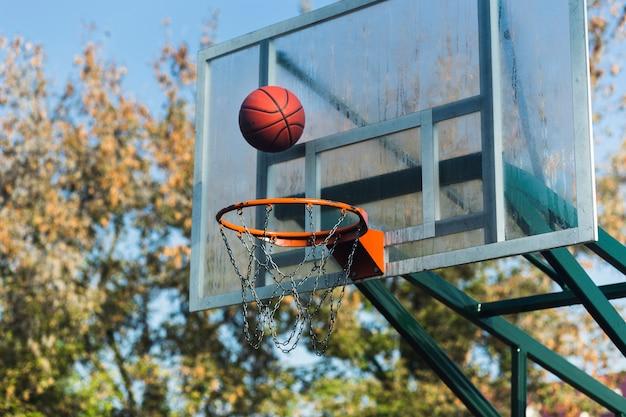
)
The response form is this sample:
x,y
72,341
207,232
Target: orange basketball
x,y
271,119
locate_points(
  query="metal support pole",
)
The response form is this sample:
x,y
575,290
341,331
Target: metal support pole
x,y
575,278
465,305
389,306
609,249
430,173
492,173
544,267
267,65
518,382
545,301
591,297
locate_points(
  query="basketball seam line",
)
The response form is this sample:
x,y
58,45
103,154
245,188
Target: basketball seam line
x,y
278,134
291,125
281,112
273,123
258,109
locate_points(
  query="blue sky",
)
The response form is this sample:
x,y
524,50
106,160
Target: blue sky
x,y
132,31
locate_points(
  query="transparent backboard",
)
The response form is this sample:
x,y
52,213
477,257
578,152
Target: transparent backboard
x,y
462,128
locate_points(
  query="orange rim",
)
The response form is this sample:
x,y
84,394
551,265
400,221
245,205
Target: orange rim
x,y
297,239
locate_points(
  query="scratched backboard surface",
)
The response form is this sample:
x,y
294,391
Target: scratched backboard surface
x,y
462,127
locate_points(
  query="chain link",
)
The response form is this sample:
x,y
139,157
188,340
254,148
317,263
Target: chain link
x,y
308,310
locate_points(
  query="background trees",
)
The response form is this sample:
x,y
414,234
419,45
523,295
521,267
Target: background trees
x,y
95,202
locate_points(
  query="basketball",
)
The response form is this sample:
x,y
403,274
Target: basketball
x,y
271,119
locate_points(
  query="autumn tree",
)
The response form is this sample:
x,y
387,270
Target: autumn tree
x,y
95,202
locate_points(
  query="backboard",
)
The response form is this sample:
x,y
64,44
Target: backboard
x,y
462,128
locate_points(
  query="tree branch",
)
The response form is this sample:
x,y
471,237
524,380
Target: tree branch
x,y
128,383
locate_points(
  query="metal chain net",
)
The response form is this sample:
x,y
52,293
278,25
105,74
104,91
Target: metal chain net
x,y
290,286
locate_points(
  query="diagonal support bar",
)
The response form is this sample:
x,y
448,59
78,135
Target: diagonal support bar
x,y
545,268
609,249
389,306
589,294
465,305
545,301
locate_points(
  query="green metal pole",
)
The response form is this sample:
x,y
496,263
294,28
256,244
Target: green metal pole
x,y
574,276
609,249
545,301
518,382
466,306
591,297
545,268
404,322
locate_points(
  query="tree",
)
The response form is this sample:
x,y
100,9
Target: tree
x,y
95,198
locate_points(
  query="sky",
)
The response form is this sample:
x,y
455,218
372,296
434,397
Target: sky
x,y
132,31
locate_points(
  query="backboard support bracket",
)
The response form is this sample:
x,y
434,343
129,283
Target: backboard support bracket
x,y
369,255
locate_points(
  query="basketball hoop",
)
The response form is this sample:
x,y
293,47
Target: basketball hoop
x,y
298,239
347,244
